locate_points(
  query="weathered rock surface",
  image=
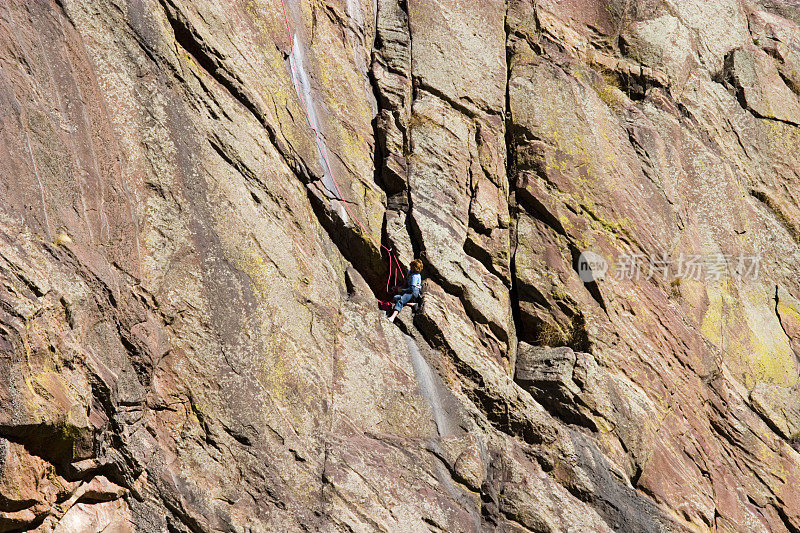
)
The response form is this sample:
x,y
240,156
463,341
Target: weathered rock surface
x,y
189,338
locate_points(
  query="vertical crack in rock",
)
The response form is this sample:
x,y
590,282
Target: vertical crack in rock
x,y
512,186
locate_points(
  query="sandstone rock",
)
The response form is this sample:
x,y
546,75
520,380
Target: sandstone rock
x,y
763,90
194,201
547,365
465,455
717,26
780,38
17,520
471,73
780,406
100,489
470,469
112,516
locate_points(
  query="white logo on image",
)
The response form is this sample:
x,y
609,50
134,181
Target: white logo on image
x,y
591,267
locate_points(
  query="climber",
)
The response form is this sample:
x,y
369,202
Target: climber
x,y
411,290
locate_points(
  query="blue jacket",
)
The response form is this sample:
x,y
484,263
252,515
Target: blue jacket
x,y
413,284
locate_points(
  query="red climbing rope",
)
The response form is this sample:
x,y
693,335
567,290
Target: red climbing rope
x,y
323,150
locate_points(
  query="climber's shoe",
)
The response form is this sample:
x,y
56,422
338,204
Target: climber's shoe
x,y
419,306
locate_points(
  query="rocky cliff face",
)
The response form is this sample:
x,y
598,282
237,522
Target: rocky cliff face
x,y
189,339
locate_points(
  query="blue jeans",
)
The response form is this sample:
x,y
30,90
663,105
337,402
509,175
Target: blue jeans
x,y
402,299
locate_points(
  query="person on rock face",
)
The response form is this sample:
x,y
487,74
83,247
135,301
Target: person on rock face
x,y
411,289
